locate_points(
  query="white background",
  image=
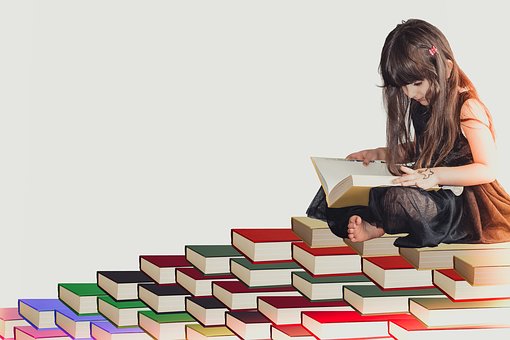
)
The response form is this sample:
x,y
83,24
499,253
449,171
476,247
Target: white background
x,y
138,127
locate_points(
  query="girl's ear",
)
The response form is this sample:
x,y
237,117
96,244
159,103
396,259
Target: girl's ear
x,y
449,68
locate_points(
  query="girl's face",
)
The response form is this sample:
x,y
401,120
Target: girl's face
x,y
418,91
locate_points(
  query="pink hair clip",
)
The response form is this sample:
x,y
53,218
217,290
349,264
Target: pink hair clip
x,y
433,50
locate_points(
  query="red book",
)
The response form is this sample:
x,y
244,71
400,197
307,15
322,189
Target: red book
x,y
395,272
457,288
284,332
197,283
10,318
264,244
249,324
345,325
327,261
415,329
161,268
284,310
29,332
237,295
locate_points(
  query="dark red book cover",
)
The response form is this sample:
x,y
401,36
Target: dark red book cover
x,y
300,302
198,275
167,261
240,287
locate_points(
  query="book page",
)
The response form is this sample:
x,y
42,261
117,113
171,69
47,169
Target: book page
x,y
334,170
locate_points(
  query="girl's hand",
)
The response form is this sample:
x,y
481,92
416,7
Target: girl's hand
x,y
422,178
367,156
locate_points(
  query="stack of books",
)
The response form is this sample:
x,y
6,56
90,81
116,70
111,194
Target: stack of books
x,y
301,282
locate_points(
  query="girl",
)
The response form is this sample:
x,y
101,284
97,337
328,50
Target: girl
x,y
436,121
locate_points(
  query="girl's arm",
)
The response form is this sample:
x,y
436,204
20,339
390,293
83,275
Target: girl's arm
x,y
475,124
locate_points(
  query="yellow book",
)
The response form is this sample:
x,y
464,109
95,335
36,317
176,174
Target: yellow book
x,y
441,312
441,257
483,270
197,331
314,232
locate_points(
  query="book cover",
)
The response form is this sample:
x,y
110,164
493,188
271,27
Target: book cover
x,y
314,232
289,332
483,270
199,332
77,326
208,310
349,324
161,268
10,318
264,244
287,309
263,274
122,285
441,257
29,332
249,324
121,313
327,261
211,259
379,246
237,295
391,272
165,325
197,283
325,287
443,312
80,297
163,298
457,288
415,329
40,312
347,183
371,299
104,330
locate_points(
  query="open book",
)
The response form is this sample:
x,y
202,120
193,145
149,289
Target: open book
x,y
347,182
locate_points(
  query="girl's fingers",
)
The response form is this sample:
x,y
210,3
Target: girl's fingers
x,y
407,170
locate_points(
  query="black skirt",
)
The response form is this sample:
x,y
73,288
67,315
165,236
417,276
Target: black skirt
x,y
427,217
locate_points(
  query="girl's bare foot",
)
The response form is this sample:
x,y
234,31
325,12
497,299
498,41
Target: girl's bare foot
x,y
359,230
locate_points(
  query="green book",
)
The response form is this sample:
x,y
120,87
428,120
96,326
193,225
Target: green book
x,y
165,325
370,299
80,297
121,313
325,287
211,259
264,274
168,317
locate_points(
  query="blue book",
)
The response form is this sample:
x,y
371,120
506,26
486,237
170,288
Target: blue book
x,y
77,326
41,312
104,330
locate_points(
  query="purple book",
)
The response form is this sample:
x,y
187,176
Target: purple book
x,y
41,312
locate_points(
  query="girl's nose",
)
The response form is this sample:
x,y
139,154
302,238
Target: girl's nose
x,y
409,91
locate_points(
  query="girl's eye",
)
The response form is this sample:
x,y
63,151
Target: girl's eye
x,y
418,83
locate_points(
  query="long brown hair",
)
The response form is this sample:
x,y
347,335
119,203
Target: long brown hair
x,y
408,56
